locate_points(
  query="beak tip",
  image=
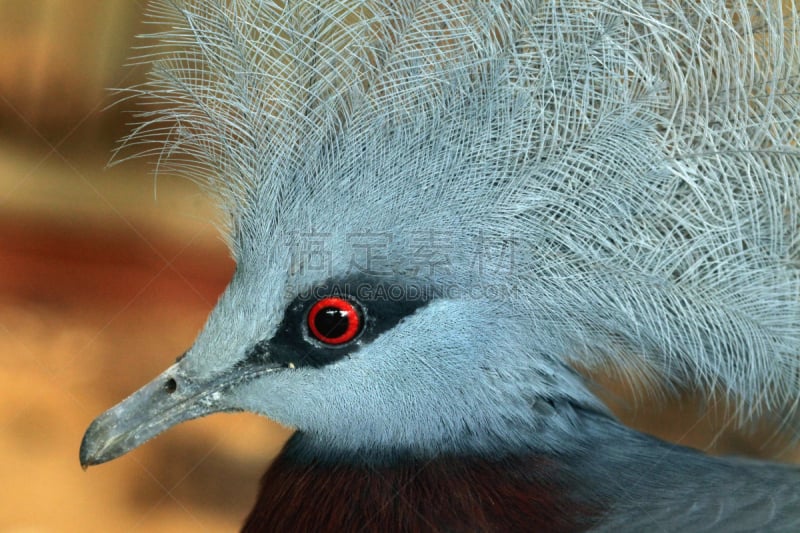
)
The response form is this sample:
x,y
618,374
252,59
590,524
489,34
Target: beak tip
x,y
87,460
92,446
85,455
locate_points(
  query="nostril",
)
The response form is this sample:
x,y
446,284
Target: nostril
x,y
171,385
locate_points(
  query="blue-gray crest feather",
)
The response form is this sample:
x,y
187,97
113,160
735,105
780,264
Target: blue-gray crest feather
x,y
638,159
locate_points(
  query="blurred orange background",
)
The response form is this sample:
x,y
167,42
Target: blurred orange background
x,y
106,275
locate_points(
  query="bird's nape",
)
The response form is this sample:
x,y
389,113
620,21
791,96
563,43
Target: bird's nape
x,y
437,209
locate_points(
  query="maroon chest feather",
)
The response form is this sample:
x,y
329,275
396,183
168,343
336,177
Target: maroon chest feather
x,y
446,494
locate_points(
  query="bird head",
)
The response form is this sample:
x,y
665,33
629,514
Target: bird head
x,y
387,326
436,209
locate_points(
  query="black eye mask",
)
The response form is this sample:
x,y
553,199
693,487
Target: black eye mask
x,y
351,312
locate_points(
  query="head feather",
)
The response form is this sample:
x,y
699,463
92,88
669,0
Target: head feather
x,y
627,172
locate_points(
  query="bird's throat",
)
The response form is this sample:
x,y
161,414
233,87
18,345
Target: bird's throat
x,y
448,493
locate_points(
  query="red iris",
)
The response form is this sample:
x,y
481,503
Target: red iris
x,y
334,320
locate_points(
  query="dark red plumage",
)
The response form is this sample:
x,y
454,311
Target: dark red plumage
x,y
444,494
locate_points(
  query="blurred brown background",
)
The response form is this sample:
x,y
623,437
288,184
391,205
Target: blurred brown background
x,y
106,275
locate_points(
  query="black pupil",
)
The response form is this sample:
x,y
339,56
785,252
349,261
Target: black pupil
x,y
331,322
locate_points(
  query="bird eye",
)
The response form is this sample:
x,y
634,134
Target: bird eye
x,y
334,320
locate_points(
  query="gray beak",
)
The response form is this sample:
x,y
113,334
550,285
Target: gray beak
x,y
169,399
